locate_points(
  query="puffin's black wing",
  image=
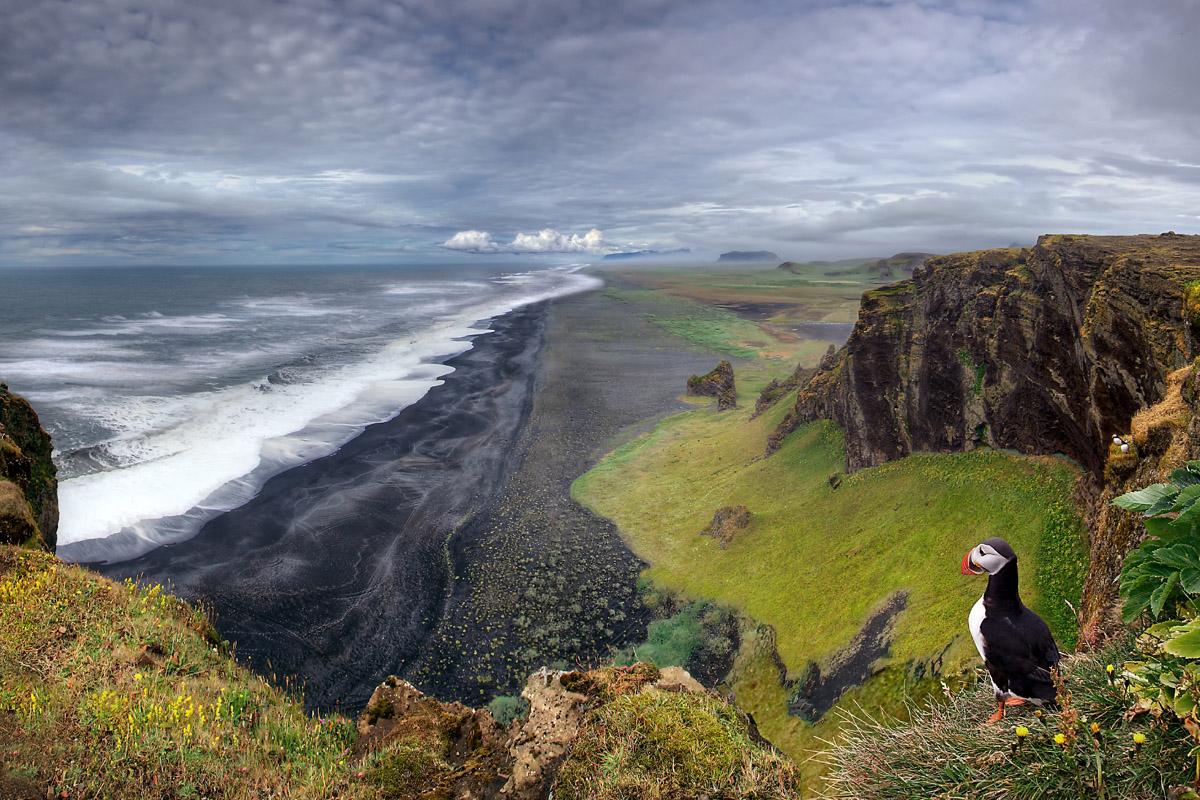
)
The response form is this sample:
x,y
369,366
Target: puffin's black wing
x,y
1020,654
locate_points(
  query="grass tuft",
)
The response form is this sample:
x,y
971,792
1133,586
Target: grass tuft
x,y
664,745
946,751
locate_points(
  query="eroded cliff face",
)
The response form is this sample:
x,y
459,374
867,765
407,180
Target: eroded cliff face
x,y
28,486
1049,349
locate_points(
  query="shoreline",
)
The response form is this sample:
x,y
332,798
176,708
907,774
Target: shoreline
x,y
332,575
388,555
540,580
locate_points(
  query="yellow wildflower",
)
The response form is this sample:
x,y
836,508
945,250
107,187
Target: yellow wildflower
x,y
1060,738
1139,738
1022,731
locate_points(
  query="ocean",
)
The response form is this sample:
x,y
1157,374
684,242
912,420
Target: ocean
x,y
173,394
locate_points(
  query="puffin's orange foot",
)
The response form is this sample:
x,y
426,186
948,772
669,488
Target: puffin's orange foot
x,y
1015,701
997,716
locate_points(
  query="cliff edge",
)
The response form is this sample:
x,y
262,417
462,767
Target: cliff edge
x,y
1052,349
28,482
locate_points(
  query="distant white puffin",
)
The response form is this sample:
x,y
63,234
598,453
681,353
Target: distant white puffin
x,y
1015,644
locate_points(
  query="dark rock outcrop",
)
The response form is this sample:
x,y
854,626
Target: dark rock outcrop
x,y
28,483
726,523
1050,349
774,391
747,256
718,383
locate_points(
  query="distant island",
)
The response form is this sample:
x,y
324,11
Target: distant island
x,y
632,255
748,255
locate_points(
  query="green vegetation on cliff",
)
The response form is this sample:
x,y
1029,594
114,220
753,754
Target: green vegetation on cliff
x,y
1092,749
119,690
817,562
28,483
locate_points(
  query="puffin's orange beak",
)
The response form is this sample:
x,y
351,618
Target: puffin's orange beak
x,y
968,566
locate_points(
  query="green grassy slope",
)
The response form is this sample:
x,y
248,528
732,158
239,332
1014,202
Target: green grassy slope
x,y
816,561
119,690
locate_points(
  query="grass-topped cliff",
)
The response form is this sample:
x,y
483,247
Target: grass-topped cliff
x,y
820,564
945,381
1049,349
119,690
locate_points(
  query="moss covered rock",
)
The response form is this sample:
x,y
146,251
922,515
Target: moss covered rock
x,y
718,383
26,465
726,523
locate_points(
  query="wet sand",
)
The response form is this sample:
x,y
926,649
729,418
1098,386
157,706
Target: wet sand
x,y
443,545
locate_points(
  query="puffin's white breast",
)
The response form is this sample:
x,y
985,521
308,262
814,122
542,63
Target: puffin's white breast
x,y
974,622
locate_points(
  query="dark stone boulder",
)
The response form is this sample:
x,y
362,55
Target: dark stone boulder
x,y
718,384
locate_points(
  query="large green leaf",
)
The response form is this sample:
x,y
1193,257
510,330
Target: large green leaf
x,y
1189,579
1145,498
1186,497
1179,556
1187,644
1164,528
1162,594
1187,524
1137,595
1185,476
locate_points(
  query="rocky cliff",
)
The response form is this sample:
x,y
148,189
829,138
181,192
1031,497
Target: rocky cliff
x,y
1049,349
28,486
718,383
608,733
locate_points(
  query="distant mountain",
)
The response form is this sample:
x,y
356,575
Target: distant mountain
x,y
900,265
748,255
632,255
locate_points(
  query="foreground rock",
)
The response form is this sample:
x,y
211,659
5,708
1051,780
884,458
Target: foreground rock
x,y
607,733
28,486
718,383
1050,349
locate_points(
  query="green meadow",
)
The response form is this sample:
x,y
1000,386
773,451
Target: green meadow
x,y
816,560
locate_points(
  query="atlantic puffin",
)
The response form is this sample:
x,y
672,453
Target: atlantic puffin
x,y
1015,643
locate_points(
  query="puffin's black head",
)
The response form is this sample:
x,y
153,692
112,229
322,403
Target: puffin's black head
x,y
988,556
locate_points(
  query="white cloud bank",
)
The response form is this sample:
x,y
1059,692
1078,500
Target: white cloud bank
x,y
546,240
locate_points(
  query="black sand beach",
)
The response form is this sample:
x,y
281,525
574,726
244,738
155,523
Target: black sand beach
x,y
443,544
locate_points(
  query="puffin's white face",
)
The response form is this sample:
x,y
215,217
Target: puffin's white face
x,y
983,558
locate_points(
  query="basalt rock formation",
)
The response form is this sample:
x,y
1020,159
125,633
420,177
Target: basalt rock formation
x,y
1045,350
28,486
718,383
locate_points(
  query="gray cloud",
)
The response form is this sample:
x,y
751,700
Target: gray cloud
x,y
318,129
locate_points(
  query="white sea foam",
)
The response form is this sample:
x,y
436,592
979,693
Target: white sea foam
x,y
188,457
117,325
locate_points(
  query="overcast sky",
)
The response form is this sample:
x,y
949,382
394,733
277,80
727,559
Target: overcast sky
x,y
314,131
